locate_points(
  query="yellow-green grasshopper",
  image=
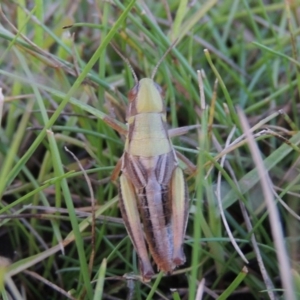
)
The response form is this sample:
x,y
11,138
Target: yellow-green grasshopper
x,y
152,188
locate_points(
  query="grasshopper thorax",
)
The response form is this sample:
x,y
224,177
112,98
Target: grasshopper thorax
x,y
146,97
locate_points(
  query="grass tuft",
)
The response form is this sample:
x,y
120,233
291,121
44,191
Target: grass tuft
x,y
62,83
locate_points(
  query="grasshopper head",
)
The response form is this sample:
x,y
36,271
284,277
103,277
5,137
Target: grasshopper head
x,y
146,97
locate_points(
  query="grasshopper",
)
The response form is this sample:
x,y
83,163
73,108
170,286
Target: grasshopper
x,y
152,187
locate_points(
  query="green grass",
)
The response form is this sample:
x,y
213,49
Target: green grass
x,y
61,233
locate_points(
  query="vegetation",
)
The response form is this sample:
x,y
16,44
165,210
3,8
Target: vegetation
x,y
61,232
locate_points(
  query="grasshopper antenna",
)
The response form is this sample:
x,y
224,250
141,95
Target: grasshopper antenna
x,y
127,62
162,58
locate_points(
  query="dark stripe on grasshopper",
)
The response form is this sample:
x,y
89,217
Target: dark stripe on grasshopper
x,y
164,171
131,130
145,213
136,170
162,168
165,199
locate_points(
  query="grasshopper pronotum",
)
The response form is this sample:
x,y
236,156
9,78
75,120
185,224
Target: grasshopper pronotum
x,y
152,187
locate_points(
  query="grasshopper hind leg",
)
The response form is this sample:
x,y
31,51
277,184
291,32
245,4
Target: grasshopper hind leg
x,y
130,214
180,203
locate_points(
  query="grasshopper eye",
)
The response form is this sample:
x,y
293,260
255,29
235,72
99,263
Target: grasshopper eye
x,y
160,90
133,92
